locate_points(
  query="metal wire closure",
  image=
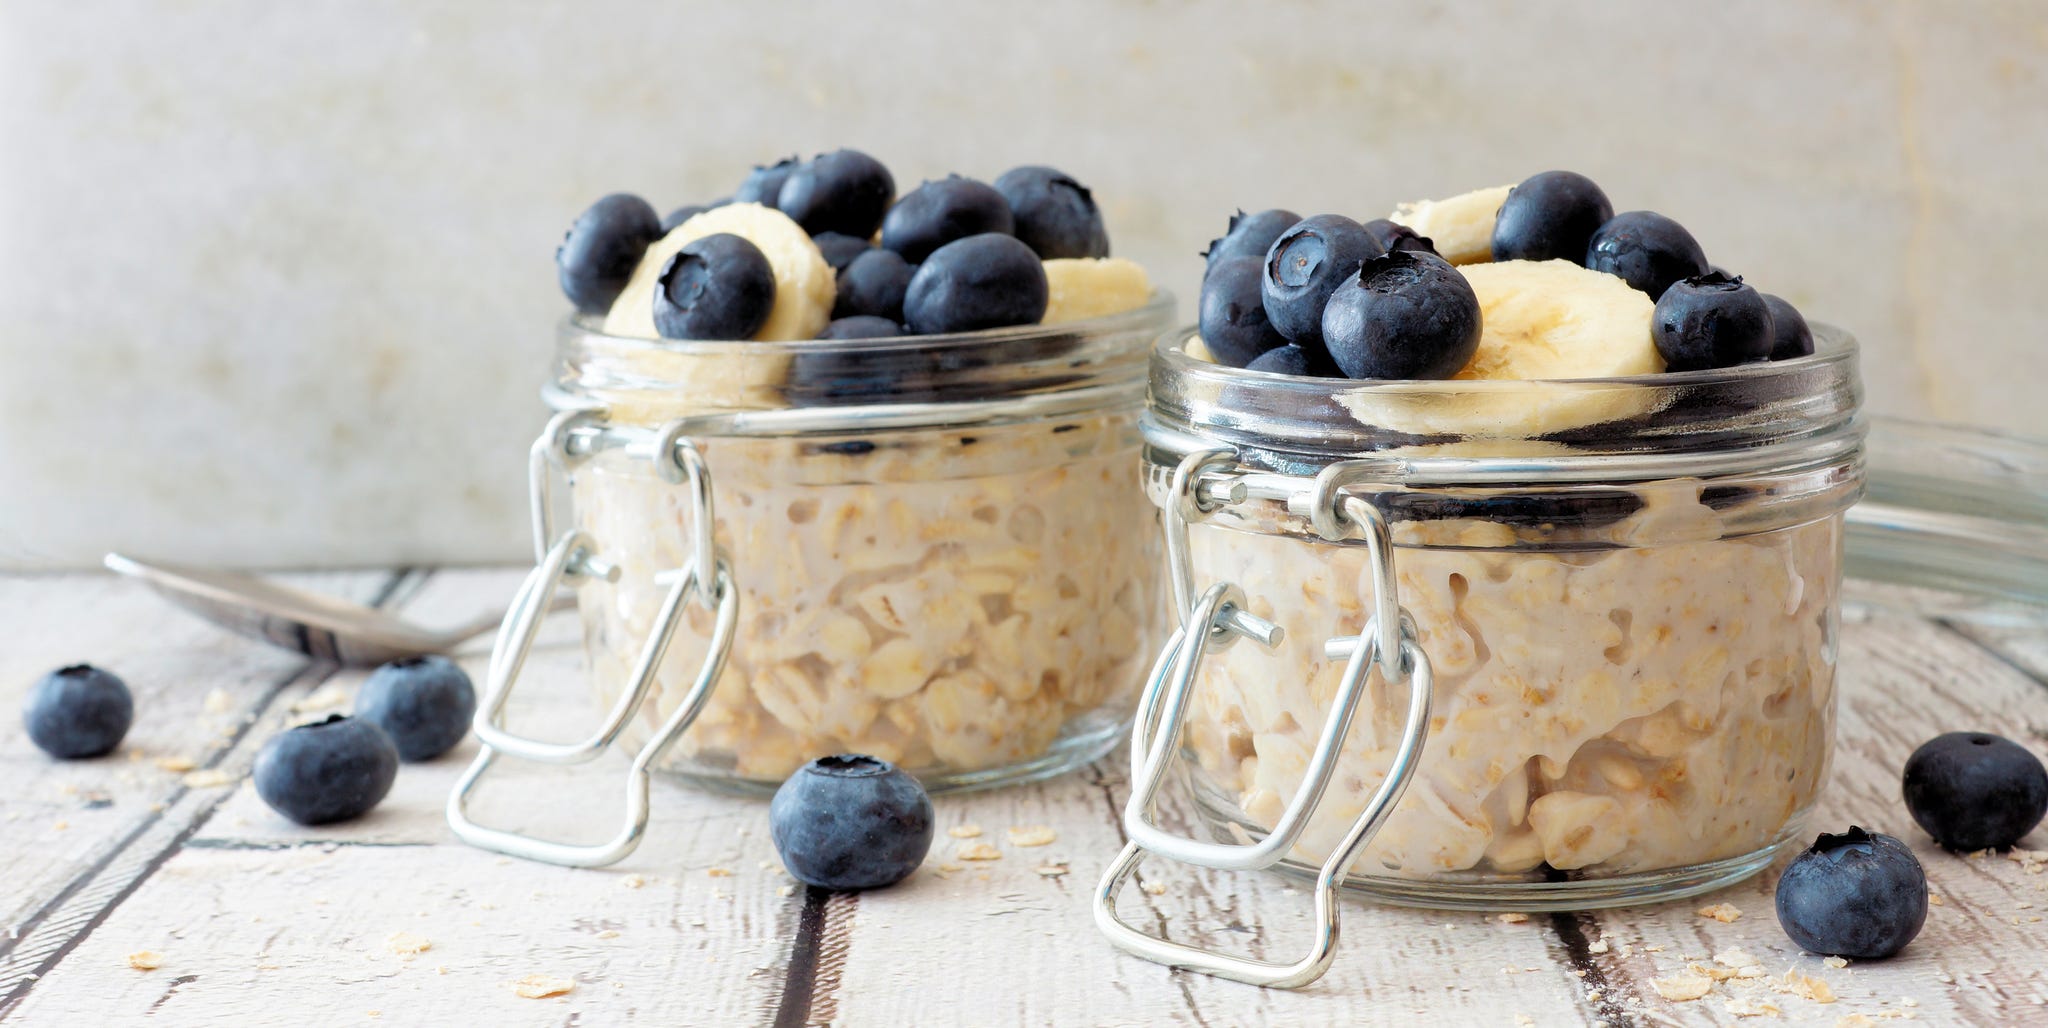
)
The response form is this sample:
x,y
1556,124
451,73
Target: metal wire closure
x,y
1203,483
570,555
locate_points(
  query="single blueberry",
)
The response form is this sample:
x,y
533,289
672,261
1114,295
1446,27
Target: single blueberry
x,y
1293,360
1789,335
1711,321
717,287
839,250
1406,314
1551,215
330,770
604,245
1974,791
1390,236
938,212
1305,265
850,822
1647,250
763,185
78,711
874,283
1233,313
842,191
1055,215
682,214
423,703
1249,235
1860,895
862,326
984,281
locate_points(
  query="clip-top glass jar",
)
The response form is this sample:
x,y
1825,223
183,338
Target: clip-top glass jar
x,y
932,549
1515,645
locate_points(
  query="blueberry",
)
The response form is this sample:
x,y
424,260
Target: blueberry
x,y
1550,216
839,250
1859,895
423,703
937,213
1055,215
764,183
1406,314
1975,791
862,326
1389,236
604,245
683,214
326,771
78,711
1233,313
985,281
1648,250
1249,235
1305,265
1711,321
1789,335
1293,360
850,822
842,191
717,287
874,284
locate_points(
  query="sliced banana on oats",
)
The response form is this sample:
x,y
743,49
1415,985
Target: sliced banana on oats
x,y
1090,287
1461,227
804,284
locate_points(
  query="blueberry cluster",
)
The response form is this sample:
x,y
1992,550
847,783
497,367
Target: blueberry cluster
x,y
954,255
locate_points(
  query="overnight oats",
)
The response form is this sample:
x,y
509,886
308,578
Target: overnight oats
x,y
1613,480
917,419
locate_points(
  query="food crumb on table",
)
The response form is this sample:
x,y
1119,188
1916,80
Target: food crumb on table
x,y
406,944
541,986
977,851
1681,988
1051,870
1032,835
145,960
633,881
176,765
1751,1006
1805,986
718,872
1511,918
1726,913
208,778
964,831
1835,962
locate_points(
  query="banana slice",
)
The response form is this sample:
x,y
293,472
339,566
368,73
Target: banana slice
x,y
1460,226
1090,287
804,285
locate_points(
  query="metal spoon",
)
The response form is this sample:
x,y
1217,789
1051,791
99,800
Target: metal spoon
x,y
321,627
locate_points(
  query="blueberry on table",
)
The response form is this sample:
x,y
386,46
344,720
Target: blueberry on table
x,y
327,771
1647,250
1055,215
839,250
676,217
763,185
985,281
1711,321
850,822
939,212
1975,790
1859,894
1233,313
717,287
842,191
1406,314
1293,360
1789,335
874,283
1551,215
424,704
1305,265
78,711
862,326
604,245
1391,235
1249,235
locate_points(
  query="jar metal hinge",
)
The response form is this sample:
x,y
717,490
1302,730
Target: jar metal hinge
x,y
1204,482
570,437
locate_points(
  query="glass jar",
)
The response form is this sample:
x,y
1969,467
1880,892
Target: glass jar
x,y
1515,645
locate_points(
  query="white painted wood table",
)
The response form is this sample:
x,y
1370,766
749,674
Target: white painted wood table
x,y
165,849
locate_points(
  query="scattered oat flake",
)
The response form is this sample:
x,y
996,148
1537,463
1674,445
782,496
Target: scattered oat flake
x,y
145,960
1855,1021
1751,1006
632,881
1835,962
219,701
1680,988
541,986
949,868
327,697
176,765
208,778
1598,946
1722,912
1032,835
1524,1019
785,890
977,851
1935,898
61,825
964,831
1050,870
406,944
718,872
609,933
1806,986
1511,918
1155,888
1908,1001
1736,956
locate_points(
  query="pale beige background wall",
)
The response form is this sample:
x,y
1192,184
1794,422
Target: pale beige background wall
x,y
275,280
